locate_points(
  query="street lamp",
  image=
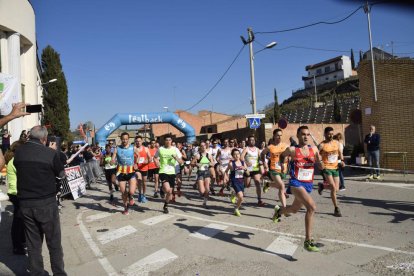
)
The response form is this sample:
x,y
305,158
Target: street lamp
x,y
168,125
251,55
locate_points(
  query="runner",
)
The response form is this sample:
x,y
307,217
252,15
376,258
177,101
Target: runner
x,y
203,161
179,167
124,154
223,158
153,169
189,156
250,155
141,159
275,172
304,157
237,168
330,151
212,151
110,171
166,157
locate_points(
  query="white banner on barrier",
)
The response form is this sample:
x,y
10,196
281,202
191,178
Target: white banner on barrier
x,y
76,182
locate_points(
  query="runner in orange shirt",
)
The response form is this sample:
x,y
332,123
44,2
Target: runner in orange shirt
x,y
141,159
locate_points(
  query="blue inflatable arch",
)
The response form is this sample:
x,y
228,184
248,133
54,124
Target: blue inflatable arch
x,y
144,118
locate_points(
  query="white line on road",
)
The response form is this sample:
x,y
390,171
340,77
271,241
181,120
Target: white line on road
x,y
394,185
209,231
298,236
283,246
157,219
116,234
97,216
150,263
95,249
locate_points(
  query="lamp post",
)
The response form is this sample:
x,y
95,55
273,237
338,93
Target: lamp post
x,y
168,125
251,56
367,10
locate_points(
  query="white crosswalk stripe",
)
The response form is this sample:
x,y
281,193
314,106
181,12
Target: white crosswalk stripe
x,y
285,246
209,231
97,217
116,234
157,219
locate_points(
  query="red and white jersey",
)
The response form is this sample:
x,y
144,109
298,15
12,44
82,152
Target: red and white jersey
x,y
303,168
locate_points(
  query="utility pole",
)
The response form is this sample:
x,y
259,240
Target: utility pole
x,y
367,10
253,85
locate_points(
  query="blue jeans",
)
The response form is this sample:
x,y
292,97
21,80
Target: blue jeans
x,y
373,160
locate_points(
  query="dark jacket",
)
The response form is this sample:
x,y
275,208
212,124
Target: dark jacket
x,y
37,167
372,141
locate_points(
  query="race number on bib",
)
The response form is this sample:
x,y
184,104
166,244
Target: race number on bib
x,y
141,160
239,174
305,174
333,158
203,167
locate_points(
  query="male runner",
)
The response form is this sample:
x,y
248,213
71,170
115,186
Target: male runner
x,y
304,157
212,151
330,151
166,157
250,155
275,172
152,167
141,157
124,154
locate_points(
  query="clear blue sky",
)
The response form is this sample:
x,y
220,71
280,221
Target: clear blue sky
x,y
139,56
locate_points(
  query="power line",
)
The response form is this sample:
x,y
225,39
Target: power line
x,y
218,81
303,47
312,24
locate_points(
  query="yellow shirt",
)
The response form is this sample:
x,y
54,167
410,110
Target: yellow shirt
x,y
330,154
275,152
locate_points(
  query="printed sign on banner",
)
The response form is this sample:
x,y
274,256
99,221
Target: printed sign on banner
x,y
76,182
9,93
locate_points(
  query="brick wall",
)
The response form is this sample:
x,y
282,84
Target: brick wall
x,y
393,113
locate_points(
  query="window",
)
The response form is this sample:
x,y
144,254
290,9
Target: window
x,y
319,71
327,69
337,66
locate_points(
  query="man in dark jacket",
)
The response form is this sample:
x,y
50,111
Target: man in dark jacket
x,y
373,148
37,167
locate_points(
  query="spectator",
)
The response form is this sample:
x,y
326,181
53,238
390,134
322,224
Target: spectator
x,y
373,148
23,135
340,139
37,168
5,141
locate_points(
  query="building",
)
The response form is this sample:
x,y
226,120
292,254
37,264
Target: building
x,y
331,70
18,57
378,54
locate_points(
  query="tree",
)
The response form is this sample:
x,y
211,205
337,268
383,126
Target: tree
x,y
276,109
55,95
352,59
336,111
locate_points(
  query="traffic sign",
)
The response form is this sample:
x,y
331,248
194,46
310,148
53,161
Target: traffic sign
x,y
254,123
261,116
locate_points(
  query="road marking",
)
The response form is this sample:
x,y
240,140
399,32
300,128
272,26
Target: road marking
x,y
157,219
209,231
150,263
283,246
97,216
116,234
95,249
394,185
298,236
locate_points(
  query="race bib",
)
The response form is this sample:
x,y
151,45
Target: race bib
x,y
305,174
141,160
187,162
239,174
203,167
333,158
278,166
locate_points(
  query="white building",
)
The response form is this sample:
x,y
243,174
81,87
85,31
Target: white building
x,y
338,68
18,57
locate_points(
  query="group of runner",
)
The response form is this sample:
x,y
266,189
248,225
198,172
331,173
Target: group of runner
x,y
226,166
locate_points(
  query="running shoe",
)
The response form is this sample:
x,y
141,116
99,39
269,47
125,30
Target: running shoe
x,y
320,188
337,212
310,246
265,186
166,210
341,189
371,176
237,213
377,177
233,199
260,203
156,195
131,200
144,199
276,216
126,211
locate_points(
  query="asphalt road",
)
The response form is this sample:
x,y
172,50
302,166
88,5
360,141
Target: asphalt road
x,y
375,236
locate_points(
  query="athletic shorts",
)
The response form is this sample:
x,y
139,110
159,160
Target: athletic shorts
x,y
143,173
170,178
237,186
152,172
297,184
125,176
253,173
334,173
274,173
109,173
201,175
